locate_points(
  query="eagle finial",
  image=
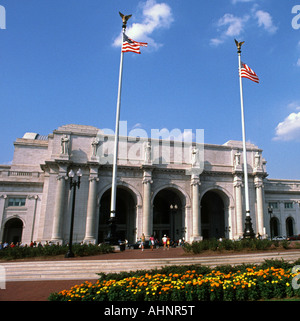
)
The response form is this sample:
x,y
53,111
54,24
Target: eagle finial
x,y
124,19
239,45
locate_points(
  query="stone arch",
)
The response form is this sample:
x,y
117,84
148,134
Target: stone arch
x,y
169,203
131,189
223,193
126,212
185,198
215,203
290,226
274,224
13,230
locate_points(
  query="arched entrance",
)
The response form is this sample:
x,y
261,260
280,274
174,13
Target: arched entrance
x,y
167,215
125,215
289,223
274,223
212,215
13,231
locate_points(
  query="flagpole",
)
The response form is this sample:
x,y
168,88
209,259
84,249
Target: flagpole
x,y
112,235
115,158
248,232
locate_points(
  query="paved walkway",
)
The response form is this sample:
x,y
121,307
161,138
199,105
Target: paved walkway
x,y
35,280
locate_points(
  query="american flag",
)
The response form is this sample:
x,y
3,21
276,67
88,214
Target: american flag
x,y
131,45
247,72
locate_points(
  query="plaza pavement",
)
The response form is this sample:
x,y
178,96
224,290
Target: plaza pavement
x,y
34,280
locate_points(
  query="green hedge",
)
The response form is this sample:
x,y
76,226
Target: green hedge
x,y
232,245
53,250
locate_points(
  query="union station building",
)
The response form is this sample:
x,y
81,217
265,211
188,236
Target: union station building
x,y
163,187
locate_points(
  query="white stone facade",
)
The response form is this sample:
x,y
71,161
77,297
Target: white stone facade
x,y
158,191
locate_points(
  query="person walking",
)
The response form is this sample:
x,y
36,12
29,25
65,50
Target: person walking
x,y
152,242
143,241
164,240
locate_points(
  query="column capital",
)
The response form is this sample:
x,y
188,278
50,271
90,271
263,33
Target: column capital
x,y
147,175
93,178
195,180
237,181
147,180
258,182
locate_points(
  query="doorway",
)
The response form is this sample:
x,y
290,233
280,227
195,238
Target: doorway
x,y
125,215
212,215
13,230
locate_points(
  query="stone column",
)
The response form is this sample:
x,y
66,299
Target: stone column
x,y
35,198
147,224
58,208
3,198
296,218
195,183
238,205
259,205
90,228
280,219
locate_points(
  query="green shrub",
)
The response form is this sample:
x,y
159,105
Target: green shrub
x,y
53,250
232,245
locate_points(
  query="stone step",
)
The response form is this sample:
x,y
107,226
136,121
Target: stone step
x,y
88,269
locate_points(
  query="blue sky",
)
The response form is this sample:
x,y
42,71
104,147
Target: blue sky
x,y
59,64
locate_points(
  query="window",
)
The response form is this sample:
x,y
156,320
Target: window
x,y
16,201
273,205
288,205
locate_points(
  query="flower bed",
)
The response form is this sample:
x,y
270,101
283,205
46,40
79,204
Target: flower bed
x,y
222,284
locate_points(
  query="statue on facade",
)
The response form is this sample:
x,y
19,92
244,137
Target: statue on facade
x,y
195,154
147,157
237,159
65,145
95,145
257,160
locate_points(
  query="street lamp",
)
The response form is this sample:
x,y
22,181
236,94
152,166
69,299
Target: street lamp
x,y
173,209
73,184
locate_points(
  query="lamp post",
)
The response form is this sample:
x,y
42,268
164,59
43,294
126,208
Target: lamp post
x,y
73,184
270,211
173,209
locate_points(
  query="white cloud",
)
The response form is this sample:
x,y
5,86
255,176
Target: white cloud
x,y
233,26
236,1
216,41
289,129
155,16
295,105
265,20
